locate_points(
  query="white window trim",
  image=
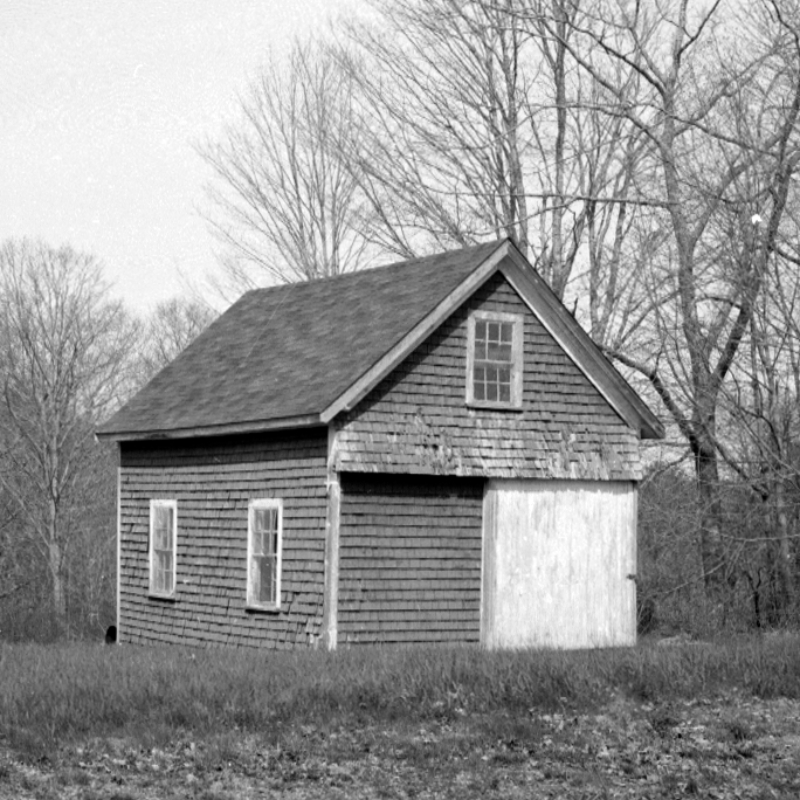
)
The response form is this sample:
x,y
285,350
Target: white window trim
x,y
516,360
154,504
252,506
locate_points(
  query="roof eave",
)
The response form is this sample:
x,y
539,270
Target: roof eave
x,y
373,376
581,348
227,429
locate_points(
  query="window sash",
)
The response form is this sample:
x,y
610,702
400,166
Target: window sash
x,y
494,360
163,541
264,553
263,578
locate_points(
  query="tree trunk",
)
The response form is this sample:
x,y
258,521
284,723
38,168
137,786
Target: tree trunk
x,y
559,75
711,548
58,584
784,551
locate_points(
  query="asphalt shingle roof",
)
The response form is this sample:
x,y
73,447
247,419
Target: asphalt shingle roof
x,y
290,351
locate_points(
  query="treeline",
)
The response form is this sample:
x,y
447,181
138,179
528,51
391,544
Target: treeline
x,y
643,156
69,355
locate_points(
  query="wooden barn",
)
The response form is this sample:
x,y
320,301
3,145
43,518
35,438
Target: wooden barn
x,y
432,451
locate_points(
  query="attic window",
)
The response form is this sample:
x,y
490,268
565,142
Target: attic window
x,y
163,546
264,540
494,360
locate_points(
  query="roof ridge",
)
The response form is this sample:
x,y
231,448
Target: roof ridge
x,y
353,274
288,351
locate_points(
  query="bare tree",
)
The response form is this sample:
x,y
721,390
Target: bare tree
x,y
719,113
439,90
63,349
481,126
172,326
283,203
762,406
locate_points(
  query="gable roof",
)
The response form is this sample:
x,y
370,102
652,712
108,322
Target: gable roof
x,y
283,354
299,354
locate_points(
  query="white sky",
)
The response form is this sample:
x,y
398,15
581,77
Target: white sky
x,y
101,102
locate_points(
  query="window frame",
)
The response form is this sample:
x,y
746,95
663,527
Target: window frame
x,y
152,589
251,602
516,320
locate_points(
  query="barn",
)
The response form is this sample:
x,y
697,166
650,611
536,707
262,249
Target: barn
x,y
428,452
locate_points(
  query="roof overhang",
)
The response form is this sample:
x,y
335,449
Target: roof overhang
x,y
228,429
373,376
580,347
539,298
550,311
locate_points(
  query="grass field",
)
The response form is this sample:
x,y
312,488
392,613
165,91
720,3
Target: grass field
x,y
58,693
62,700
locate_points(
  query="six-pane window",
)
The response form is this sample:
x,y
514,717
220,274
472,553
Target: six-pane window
x,y
264,554
163,534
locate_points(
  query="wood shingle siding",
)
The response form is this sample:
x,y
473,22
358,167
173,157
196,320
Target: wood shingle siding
x,y
409,559
344,405
417,421
213,481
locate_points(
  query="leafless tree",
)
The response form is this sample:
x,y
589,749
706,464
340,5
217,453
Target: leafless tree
x,y
480,126
172,326
439,92
63,352
283,203
762,409
719,110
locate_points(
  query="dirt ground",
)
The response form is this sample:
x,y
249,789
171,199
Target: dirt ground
x,y
728,748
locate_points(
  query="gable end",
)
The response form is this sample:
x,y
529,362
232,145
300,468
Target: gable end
x,y
418,420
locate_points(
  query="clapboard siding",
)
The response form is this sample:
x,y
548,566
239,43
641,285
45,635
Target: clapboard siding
x,y
409,559
417,421
213,481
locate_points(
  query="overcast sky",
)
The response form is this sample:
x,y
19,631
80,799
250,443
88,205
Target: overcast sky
x,y
101,102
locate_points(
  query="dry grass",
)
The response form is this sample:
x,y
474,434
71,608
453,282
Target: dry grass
x,y
70,692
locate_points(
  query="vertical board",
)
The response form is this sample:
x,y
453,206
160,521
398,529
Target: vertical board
x,y
559,561
119,548
330,605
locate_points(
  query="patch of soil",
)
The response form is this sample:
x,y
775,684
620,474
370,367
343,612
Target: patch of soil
x,y
734,747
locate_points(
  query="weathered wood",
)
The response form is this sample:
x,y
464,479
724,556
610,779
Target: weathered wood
x,y
559,559
428,587
417,419
228,429
331,591
488,569
415,337
119,550
213,481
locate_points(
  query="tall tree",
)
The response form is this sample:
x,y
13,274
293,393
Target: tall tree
x,y
719,110
479,125
63,349
440,87
283,204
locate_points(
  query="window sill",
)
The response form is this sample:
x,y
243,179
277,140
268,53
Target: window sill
x,y
158,596
488,405
270,609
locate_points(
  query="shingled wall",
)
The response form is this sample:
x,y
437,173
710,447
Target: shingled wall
x,y
417,421
213,481
409,560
